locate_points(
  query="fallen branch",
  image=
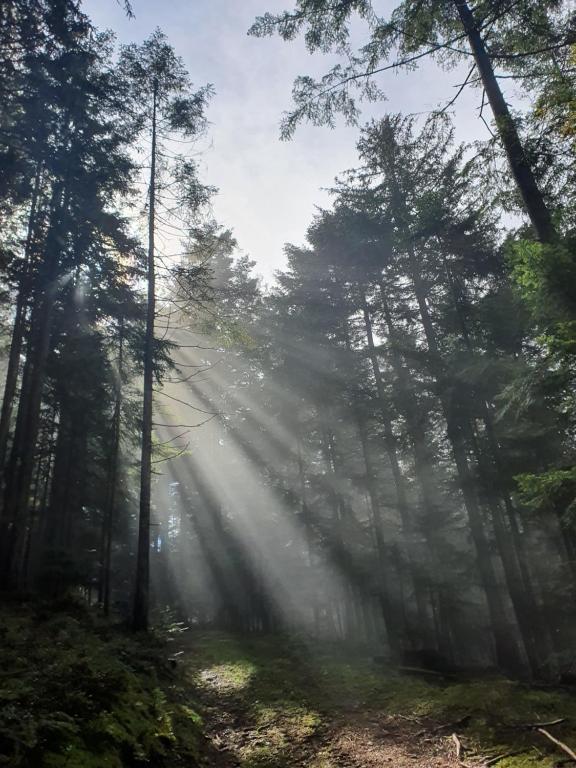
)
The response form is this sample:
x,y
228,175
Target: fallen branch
x,y
558,743
458,745
535,726
421,671
459,750
462,722
452,726
498,758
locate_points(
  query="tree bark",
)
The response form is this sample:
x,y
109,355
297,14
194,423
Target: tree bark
x,y
392,617
142,587
18,331
425,480
112,482
399,483
522,171
508,538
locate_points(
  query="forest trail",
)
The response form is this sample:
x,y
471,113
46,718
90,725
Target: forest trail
x,y
267,703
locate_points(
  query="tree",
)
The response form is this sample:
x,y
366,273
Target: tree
x,y
168,105
80,148
414,32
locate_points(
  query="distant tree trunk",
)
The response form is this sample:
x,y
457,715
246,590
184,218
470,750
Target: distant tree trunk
x,y
18,330
394,620
508,538
305,512
111,485
420,588
506,648
519,164
341,553
65,455
142,586
23,452
428,488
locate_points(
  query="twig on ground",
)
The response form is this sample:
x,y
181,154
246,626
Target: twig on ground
x,y
498,758
411,719
456,724
458,745
462,722
535,726
421,671
558,743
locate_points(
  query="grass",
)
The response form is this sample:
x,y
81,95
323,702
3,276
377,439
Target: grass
x,y
287,693
75,692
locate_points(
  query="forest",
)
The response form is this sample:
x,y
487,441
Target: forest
x,y
323,520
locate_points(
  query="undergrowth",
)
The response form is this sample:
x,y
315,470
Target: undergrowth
x,y
75,692
302,689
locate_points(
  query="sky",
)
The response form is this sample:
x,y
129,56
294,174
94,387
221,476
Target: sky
x,y
269,189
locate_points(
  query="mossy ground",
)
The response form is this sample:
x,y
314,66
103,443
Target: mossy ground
x,y
274,703
75,692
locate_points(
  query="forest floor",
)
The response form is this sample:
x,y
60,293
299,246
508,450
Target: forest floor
x,y
79,692
273,703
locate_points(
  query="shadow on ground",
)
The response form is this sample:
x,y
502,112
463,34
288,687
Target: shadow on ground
x,y
273,702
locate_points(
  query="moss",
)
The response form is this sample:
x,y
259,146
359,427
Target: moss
x,y
77,693
287,693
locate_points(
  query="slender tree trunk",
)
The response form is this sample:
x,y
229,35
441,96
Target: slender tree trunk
x,y
111,483
142,591
305,512
506,648
505,645
392,617
425,480
43,508
522,171
18,330
508,538
399,483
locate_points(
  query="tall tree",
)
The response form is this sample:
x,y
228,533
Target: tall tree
x,y
496,35
163,95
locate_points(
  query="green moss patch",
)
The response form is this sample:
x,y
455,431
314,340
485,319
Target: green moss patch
x,y
286,694
75,693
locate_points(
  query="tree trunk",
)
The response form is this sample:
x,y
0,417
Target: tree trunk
x,y
111,486
21,464
392,617
399,483
22,455
309,534
505,645
18,331
507,652
142,587
428,489
508,538
522,171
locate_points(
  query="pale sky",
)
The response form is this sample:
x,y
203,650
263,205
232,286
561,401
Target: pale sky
x,y
268,189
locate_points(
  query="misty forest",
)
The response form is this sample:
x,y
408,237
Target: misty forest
x,y
326,518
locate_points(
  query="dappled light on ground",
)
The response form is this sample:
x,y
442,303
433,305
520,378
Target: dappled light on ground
x,y
226,677
270,702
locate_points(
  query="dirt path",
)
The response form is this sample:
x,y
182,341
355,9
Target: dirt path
x,y
268,702
266,707
353,740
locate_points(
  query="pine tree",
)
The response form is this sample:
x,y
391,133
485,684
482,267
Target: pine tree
x,y
168,106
